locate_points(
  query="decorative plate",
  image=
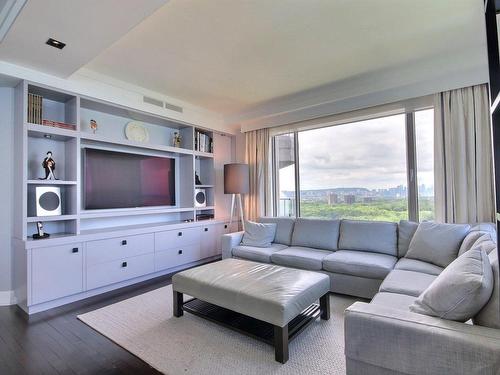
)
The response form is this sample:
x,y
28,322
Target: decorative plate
x,y
135,131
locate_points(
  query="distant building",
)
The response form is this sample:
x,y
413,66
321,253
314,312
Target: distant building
x,y
368,199
349,198
333,198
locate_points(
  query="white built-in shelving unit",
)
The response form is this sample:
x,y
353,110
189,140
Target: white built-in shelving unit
x,y
66,145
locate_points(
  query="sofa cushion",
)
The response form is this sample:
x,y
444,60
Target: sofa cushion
x,y
461,290
300,257
406,282
375,236
360,263
406,230
257,254
469,241
418,266
315,233
258,234
284,228
393,300
489,315
437,243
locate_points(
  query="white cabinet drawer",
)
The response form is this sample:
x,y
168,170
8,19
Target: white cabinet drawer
x,y
177,256
208,240
56,272
119,270
175,238
102,251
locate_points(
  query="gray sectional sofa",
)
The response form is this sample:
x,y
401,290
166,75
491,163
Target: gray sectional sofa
x,y
367,259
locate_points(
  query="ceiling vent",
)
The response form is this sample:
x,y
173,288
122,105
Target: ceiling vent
x,y
9,10
161,104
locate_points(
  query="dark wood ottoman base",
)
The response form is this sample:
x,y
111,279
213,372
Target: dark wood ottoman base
x,y
271,334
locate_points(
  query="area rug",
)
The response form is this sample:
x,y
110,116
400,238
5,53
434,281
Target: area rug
x,y
144,326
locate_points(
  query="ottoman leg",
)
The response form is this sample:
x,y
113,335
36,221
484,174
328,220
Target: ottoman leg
x,y
324,307
281,343
178,301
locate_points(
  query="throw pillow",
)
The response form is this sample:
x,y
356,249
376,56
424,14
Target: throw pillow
x,y
406,230
258,234
461,290
437,243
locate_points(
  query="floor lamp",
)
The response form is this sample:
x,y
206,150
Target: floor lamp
x,y
236,182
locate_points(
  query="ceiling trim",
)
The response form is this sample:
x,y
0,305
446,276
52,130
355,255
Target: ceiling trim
x,y
8,15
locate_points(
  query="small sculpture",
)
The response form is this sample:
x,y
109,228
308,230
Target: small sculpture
x,y
93,125
177,140
50,166
197,180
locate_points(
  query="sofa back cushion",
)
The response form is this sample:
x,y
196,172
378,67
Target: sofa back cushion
x,y
406,230
489,316
284,228
316,233
437,243
375,236
477,231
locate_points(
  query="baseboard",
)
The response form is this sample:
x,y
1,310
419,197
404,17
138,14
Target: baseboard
x,y
7,298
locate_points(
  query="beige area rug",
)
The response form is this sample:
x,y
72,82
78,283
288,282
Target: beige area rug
x,y
144,326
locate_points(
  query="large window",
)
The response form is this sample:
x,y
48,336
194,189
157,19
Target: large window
x,y
377,169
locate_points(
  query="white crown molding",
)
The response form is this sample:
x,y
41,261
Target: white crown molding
x,y
389,85
7,298
8,15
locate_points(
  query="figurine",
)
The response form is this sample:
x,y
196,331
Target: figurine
x,y
93,125
197,180
177,139
50,166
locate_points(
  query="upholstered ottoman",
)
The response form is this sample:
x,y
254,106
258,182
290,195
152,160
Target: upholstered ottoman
x,y
265,301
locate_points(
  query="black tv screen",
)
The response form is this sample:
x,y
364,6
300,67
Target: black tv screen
x,y
122,180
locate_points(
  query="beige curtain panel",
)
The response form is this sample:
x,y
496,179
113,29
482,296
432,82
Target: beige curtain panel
x,y
258,201
463,157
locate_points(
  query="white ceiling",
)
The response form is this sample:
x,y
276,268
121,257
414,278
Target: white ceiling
x,y
229,56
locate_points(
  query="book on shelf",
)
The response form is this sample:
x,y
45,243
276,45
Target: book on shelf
x,y
35,108
57,124
203,142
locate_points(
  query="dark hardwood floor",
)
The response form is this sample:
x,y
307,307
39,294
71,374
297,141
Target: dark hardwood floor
x,y
56,342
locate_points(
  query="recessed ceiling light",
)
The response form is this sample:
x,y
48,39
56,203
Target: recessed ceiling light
x,y
55,43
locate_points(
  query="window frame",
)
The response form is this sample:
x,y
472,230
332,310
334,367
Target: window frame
x,y
411,163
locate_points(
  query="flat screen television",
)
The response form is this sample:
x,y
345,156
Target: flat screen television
x,y
124,180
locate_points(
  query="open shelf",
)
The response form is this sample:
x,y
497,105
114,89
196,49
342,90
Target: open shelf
x,y
34,219
51,182
48,132
204,186
204,154
93,214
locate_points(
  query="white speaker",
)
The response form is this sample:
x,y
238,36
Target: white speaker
x,y
48,201
200,198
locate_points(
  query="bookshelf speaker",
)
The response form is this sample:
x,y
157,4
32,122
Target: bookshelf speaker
x,y
48,201
200,198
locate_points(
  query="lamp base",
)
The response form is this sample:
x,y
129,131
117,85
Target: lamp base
x,y
240,204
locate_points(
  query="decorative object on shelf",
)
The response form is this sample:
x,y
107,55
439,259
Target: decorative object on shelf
x,y
40,234
49,165
236,182
57,124
135,131
200,198
197,180
93,125
34,109
176,141
48,200
203,142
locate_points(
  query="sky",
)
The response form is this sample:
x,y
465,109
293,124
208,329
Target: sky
x,y
369,154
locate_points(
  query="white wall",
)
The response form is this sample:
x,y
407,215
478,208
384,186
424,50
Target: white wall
x,y
6,190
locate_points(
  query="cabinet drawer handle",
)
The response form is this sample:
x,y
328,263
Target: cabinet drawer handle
x,y
179,234
74,250
225,226
179,252
124,242
206,229
124,264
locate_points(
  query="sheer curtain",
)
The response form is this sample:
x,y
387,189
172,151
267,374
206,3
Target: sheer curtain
x,y
258,202
463,158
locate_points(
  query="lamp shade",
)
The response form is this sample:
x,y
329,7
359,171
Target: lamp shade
x,y
236,178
